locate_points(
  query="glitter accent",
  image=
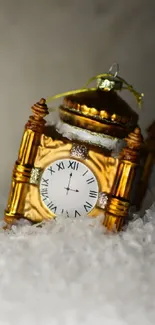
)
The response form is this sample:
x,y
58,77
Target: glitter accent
x,y
105,84
35,175
102,200
79,151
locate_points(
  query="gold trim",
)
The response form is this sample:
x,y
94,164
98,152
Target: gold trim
x,y
25,162
85,122
104,168
118,205
102,114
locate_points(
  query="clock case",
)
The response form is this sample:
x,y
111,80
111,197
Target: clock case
x,y
121,173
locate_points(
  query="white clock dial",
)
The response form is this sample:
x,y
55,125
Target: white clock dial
x,y
69,187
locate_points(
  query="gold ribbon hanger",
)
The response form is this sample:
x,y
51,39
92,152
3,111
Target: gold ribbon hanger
x,y
105,81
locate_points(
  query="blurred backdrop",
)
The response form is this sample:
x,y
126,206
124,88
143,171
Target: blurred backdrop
x,y
50,46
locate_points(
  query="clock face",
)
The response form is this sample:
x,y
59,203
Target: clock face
x,y
68,187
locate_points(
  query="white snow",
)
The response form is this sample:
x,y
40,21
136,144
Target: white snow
x,y
72,272
72,133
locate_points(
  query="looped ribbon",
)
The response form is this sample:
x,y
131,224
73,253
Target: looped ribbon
x,y
104,76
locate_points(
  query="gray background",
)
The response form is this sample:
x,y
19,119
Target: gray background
x,y
50,46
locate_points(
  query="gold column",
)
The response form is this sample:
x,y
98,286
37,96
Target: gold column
x,y
119,202
23,166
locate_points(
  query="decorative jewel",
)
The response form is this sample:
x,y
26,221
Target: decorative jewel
x,y
105,84
79,151
102,200
35,175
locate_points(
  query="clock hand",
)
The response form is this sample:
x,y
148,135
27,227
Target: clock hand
x,y
68,187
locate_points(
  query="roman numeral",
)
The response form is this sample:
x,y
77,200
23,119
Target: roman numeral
x,y
67,214
73,165
87,206
90,180
77,214
93,194
44,193
51,170
65,211
45,182
85,173
52,207
60,165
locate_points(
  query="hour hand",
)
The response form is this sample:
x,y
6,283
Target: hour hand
x,y
73,190
70,189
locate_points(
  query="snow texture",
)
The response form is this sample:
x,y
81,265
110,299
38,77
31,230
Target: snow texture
x,y
73,272
99,139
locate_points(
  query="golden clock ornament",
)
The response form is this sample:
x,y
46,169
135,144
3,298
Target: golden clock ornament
x,y
87,163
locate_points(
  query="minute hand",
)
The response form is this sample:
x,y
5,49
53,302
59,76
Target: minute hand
x,y
68,187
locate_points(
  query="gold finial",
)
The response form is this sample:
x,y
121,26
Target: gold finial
x,y
135,139
36,122
40,109
134,144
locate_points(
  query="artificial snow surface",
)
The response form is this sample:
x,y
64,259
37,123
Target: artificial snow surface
x,y
71,272
72,133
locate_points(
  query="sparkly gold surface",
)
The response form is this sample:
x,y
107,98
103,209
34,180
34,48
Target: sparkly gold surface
x,y
103,167
93,111
125,177
24,164
21,175
103,114
85,122
115,175
119,199
101,106
117,211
